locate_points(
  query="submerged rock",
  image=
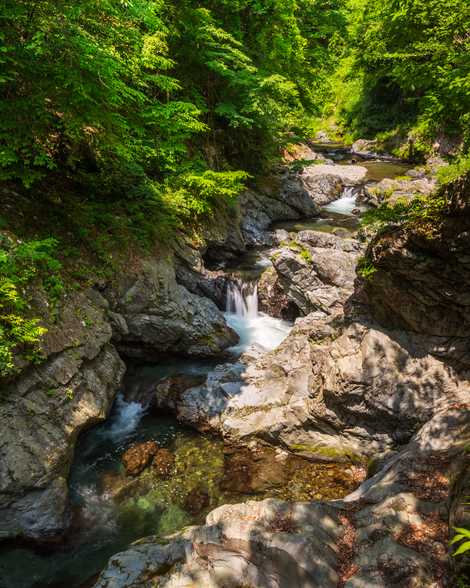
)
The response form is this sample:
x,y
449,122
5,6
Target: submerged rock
x,y
196,501
163,463
138,457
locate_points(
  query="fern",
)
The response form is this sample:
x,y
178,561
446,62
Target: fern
x,y
462,537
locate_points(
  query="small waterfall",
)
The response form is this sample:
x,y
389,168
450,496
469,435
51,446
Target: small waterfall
x,y
346,204
242,299
252,326
124,420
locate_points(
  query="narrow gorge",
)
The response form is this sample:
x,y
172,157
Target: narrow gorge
x,y
234,294
318,409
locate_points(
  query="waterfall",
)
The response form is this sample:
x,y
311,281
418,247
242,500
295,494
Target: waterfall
x,y
252,326
346,204
242,299
124,420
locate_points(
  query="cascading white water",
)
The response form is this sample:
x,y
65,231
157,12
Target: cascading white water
x,y
125,419
242,299
252,326
344,205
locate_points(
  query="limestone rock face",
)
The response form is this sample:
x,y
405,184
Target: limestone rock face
x,y
162,316
280,198
43,411
392,531
314,272
422,277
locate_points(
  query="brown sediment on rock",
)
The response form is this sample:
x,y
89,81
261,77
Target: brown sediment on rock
x,y
425,480
138,457
429,537
346,548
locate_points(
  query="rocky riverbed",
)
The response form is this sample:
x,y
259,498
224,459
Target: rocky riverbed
x,y
370,382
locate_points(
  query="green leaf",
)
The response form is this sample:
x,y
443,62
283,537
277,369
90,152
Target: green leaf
x,y
462,549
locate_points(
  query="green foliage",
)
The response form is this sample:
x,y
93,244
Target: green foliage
x,y
306,255
457,169
145,111
420,210
463,538
21,266
198,194
405,70
113,92
365,268
85,87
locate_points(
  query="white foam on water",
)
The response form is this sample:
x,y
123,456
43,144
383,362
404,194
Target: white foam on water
x,y
252,326
344,205
125,420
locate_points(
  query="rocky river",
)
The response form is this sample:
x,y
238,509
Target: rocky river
x,y
279,422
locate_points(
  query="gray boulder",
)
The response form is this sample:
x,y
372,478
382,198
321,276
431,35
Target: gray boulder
x,y
161,316
332,390
314,272
392,191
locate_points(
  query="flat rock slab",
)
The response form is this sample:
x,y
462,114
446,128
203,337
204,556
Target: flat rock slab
x,y
348,174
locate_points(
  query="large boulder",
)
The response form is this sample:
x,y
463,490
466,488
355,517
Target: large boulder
x,y
281,197
333,390
43,411
312,272
392,531
325,182
392,191
160,316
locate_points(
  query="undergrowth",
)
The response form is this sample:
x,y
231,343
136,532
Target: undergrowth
x,y
22,265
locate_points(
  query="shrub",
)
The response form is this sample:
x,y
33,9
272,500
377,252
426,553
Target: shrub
x,y
21,266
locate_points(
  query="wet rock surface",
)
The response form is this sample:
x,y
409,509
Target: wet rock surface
x,y
284,197
43,412
163,463
138,457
